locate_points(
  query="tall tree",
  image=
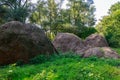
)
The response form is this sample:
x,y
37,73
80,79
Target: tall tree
x,y
46,14
114,7
17,9
50,15
81,12
109,26
39,16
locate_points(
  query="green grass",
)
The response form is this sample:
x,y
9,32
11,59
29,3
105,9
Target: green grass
x,y
63,67
117,50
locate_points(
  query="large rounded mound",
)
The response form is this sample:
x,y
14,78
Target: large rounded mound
x,y
20,41
68,42
96,40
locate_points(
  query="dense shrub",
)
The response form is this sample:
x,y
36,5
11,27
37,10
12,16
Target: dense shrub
x,y
82,32
39,59
86,31
113,40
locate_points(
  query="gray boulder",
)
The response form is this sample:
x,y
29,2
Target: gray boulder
x,y
68,42
20,41
96,40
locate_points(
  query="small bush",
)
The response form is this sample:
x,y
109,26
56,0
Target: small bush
x,y
81,31
113,40
39,59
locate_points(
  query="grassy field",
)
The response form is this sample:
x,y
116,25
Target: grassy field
x,y
63,67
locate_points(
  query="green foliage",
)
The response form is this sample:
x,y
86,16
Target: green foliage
x,y
53,18
114,7
110,27
81,13
86,31
17,10
39,59
67,66
81,32
50,35
117,50
45,75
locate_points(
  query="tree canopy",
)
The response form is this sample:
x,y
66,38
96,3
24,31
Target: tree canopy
x,y
110,26
78,14
17,10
